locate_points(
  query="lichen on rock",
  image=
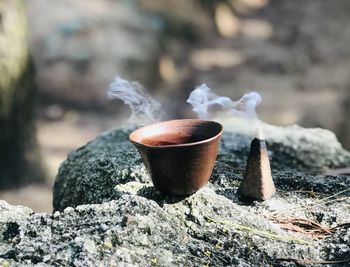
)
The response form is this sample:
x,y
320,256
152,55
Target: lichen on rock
x,y
108,212
91,173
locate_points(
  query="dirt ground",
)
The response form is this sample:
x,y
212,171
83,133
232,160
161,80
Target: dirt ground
x,y
295,54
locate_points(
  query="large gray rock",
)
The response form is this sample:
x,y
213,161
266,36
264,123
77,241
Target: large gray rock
x,y
136,226
91,173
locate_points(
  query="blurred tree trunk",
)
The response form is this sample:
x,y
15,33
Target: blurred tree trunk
x,y
19,154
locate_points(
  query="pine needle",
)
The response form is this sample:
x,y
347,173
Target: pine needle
x,y
318,203
260,232
304,226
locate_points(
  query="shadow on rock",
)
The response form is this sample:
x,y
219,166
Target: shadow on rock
x,y
151,193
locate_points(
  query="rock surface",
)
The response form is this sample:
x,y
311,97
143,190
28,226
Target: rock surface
x,y
91,173
131,224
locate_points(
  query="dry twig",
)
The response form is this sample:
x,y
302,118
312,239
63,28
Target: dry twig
x,y
304,226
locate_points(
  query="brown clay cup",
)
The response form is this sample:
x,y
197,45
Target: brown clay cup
x,y
179,154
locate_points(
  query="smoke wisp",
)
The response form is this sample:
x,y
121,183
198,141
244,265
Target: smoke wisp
x,y
202,98
144,109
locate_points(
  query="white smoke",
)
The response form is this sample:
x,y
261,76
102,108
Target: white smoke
x,y
144,109
202,98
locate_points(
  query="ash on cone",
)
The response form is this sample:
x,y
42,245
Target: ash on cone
x,y
257,183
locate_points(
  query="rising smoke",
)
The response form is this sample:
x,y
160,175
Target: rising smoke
x,y
202,98
144,109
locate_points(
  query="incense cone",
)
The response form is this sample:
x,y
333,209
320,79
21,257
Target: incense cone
x,y
257,183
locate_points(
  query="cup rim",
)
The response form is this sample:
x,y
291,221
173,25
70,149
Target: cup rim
x,y
208,140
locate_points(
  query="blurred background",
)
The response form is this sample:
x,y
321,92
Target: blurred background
x,y
57,59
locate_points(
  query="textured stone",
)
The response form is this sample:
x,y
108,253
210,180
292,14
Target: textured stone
x,y
136,226
91,173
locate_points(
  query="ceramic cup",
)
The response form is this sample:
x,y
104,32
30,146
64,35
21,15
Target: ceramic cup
x,y
179,154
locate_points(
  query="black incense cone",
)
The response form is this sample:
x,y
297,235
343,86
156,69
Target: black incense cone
x,y
257,183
